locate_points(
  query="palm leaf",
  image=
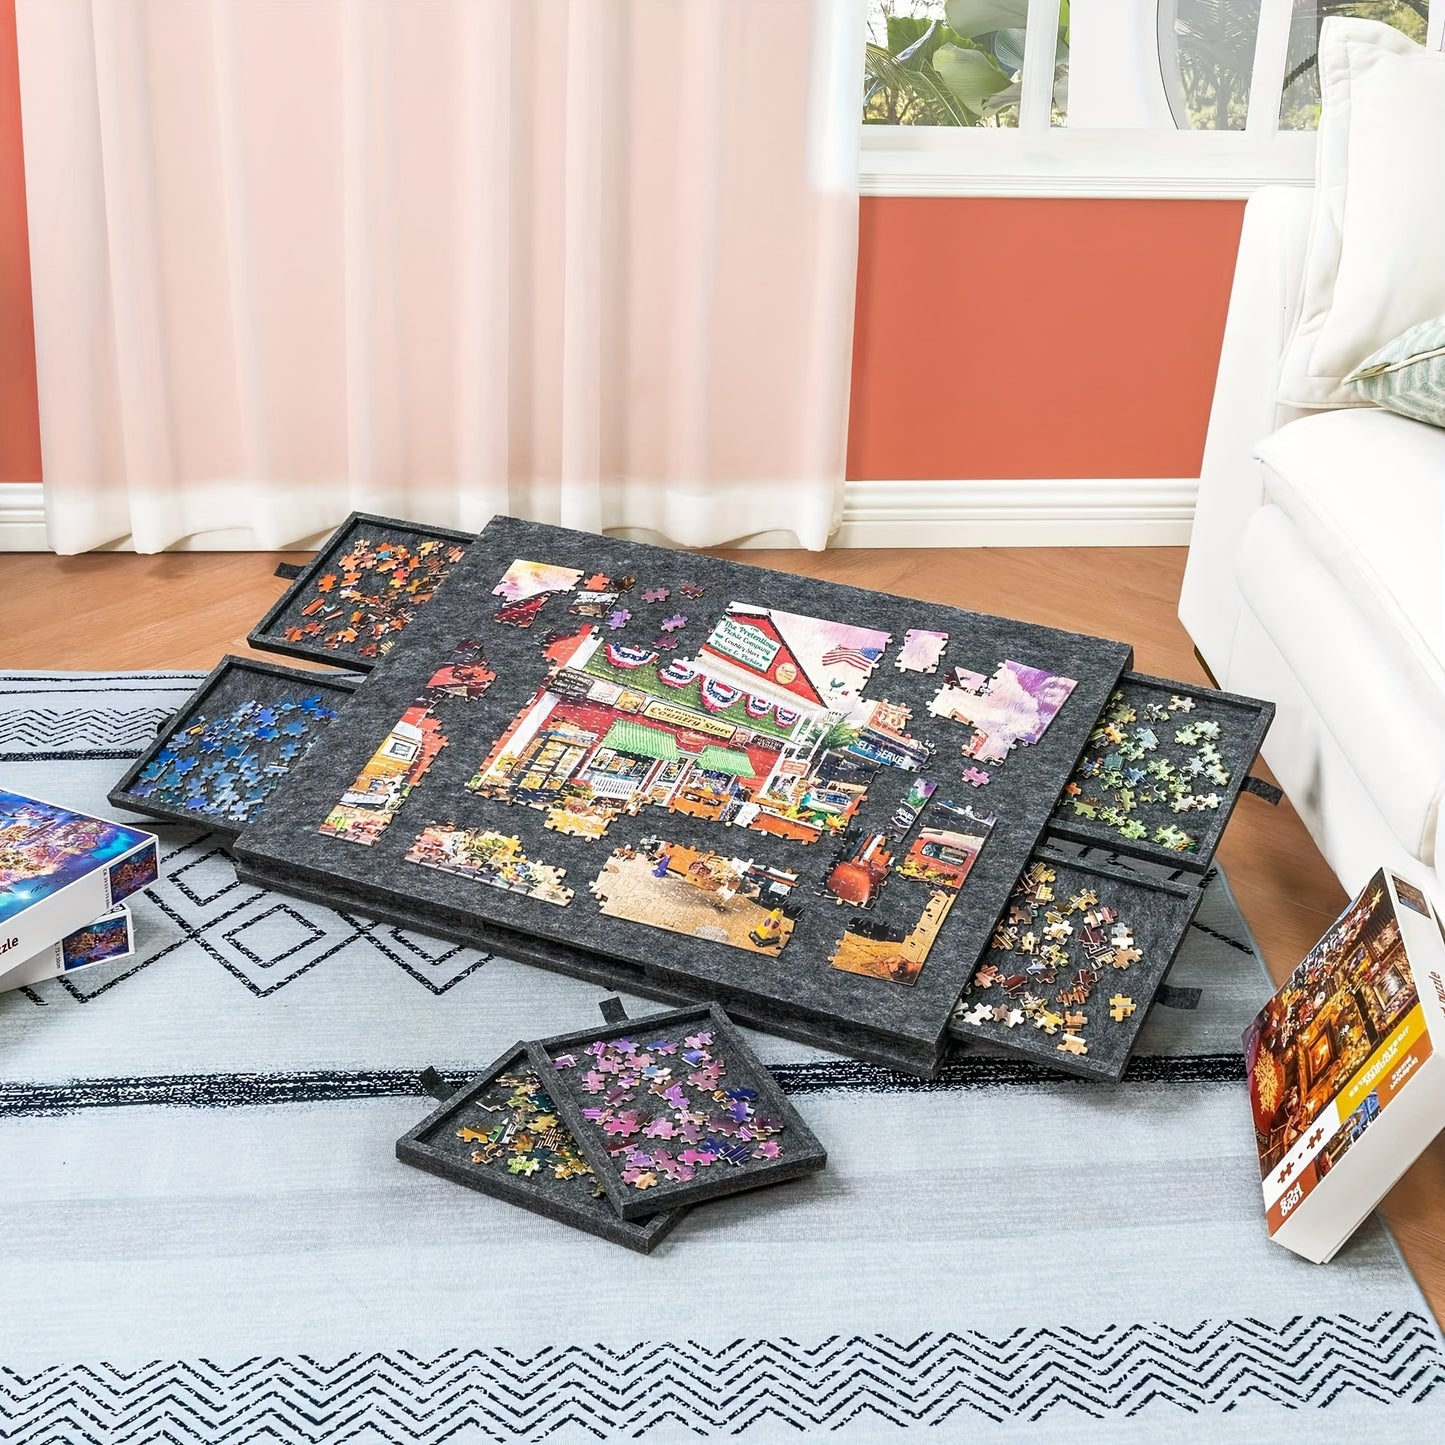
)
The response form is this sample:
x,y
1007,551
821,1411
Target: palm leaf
x,y
938,101
980,17
971,75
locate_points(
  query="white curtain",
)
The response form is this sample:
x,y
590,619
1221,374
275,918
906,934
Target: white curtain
x,y
586,261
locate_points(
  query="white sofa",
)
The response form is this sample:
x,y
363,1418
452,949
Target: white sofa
x,y
1315,579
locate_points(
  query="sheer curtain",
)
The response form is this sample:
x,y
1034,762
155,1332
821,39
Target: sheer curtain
x,y
586,261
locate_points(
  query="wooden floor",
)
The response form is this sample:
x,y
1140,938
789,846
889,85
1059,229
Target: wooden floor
x,y
186,610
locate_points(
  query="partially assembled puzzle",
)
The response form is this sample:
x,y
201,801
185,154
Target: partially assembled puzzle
x,y
690,778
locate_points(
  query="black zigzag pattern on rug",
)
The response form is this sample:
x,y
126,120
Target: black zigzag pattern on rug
x,y
37,734
770,1386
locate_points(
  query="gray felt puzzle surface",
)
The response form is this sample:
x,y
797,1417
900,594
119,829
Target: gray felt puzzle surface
x,y
798,991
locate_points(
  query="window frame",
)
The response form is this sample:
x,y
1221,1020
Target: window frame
x,y
1039,160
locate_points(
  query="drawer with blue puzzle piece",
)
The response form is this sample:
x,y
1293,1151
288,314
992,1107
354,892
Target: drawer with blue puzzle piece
x,y
217,760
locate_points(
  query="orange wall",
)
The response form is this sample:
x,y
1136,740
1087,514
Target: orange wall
x,y
19,420
1037,338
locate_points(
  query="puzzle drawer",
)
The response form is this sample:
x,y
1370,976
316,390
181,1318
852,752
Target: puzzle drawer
x,y
1075,962
216,761
674,1109
352,602
1162,771
500,1134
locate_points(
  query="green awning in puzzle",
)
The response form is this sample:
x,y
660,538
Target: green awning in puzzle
x,y
640,741
726,760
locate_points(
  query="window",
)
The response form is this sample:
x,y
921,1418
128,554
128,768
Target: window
x,y
1100,97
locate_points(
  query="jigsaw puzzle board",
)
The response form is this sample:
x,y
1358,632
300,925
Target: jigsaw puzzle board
x,y
217,760
1075,962
355,598
804,801
501,1134
1162,771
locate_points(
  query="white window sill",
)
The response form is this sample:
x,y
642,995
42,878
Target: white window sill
x,y
1188,165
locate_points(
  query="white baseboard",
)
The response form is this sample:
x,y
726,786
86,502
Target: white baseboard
x,y
22,517
1042,512
1047,512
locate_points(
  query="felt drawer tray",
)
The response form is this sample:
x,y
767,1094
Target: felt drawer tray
x,y
1153,914
487,1109
355,598
216,760
609,1087
1116,797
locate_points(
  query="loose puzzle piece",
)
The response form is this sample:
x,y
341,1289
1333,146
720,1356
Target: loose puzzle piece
x,y
1120,1007
921,651
1016,706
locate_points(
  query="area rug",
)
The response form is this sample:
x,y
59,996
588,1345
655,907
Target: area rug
x,y
207,1236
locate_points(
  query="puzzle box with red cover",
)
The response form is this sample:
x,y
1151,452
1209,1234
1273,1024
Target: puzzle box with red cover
x,y
1346,1077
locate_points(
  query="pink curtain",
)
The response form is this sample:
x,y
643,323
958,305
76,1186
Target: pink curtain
x,y
591,263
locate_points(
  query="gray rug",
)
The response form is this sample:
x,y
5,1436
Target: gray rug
x,y
207,1236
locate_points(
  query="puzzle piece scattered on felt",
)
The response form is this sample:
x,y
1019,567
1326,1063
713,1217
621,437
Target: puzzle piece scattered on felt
x,y
664,1105
1081,935
372,594
522,1134
1135,777
225,765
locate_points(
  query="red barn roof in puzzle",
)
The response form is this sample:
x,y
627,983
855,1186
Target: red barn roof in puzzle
x,y
823,664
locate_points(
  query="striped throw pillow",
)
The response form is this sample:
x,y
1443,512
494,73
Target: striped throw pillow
x,y
1407,374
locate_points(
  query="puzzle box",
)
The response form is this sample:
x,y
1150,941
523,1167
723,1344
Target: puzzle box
x,y
674,1109
1346,1073
107,938
698,780
223,753
501,1135
60,870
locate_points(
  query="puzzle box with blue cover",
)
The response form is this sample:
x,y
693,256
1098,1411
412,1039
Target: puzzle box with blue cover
x,y
60,870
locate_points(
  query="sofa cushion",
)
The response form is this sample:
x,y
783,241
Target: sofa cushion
x,y
1366,489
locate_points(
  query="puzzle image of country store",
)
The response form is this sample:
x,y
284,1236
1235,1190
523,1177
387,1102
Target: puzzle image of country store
x,y
764,728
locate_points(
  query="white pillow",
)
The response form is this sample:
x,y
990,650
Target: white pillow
x,y
1377,235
